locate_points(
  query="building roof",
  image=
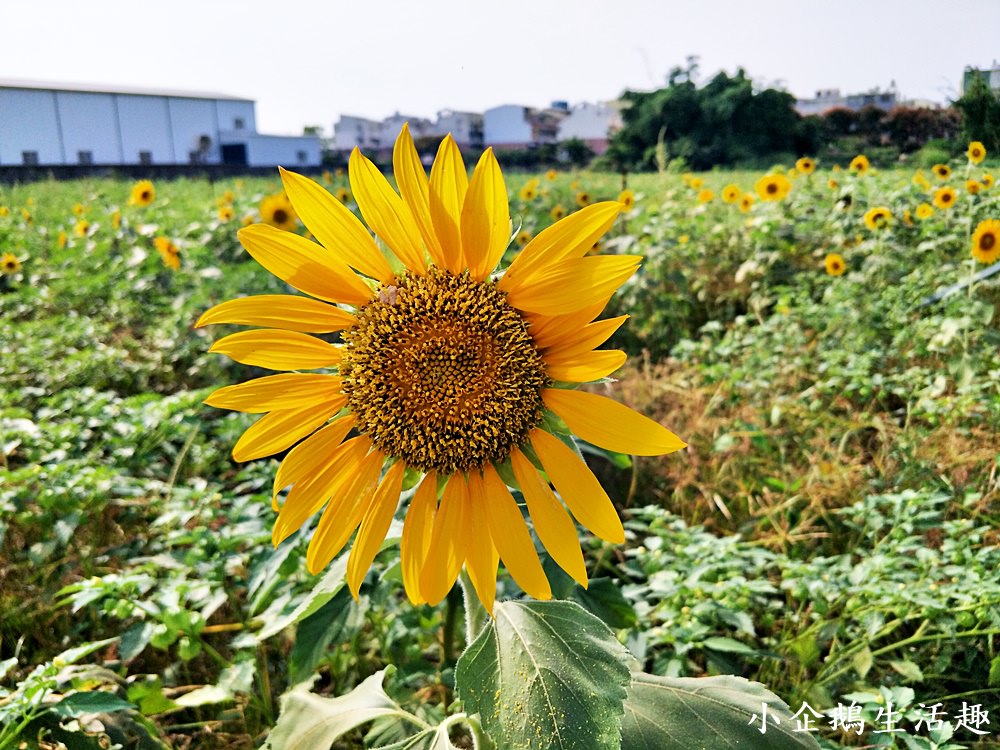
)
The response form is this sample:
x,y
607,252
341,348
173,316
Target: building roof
x,y
97,88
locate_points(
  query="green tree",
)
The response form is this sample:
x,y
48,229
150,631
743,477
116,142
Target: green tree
x,y
980,107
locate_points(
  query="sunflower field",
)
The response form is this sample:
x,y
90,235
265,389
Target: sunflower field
x,y
818,567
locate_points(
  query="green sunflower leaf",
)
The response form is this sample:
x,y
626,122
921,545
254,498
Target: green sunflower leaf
x,y
546,675
683,713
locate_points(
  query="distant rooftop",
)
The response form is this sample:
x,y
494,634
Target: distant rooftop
x,y
97,88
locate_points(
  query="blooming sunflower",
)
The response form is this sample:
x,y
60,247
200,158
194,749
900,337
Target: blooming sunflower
x,y
169,252
972,187
583,199
557,212
924,211
976,152
444,372
860,164
986,241
987,181
731,193
277,211
878,217
4,211
226,213
62,239
746,202
805,165
944,197
921,181
695,183
832,184
943,171
705,196
116,220
143,193
627,199
343,195
81,228
551,175
528,192
9,264
835,265
773,187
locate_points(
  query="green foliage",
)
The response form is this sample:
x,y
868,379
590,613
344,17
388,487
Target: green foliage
x,y
980,108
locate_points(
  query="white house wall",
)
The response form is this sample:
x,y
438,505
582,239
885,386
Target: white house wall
x,y
29,122
145,126
230,111
190,119
506,125
89,124
288,151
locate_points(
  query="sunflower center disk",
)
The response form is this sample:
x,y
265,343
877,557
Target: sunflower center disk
x,y
441,372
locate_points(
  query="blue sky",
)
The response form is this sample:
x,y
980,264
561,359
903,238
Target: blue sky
x,y
307,62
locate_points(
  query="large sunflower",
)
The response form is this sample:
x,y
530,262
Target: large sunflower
x,y
773,187
447,378
986,241
143,193
976,152
944,197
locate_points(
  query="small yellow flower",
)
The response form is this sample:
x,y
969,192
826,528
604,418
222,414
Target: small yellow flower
x,y
907,218
860,164
277,211
924,211
976,152
835,265
686,178
574,185
557,213
524,237
835,168
705,196
972,187
226,213
878,217
551,175
943,171
340,172
731,193
695,183
683,239
78,209
986,241
248,219
143,193
343,195
921,181
26,215
987,181
627,198
9,264
81,227
62,239
832,184
944,197
746,202
583,198
4,211
805,165
116,220
327,176
527,193
226,198
773,187
169,252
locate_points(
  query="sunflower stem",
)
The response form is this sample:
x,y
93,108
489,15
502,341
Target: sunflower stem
x,y
475,614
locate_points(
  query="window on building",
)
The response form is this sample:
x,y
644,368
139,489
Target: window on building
x,y
85,158
29,158
238,123
302,156
145,157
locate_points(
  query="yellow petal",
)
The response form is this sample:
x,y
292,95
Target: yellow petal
x,y
385,212
510,535
335,226
304,264
290,390
448,186
416,541
448,542
481,556
278,430
552,523
549,330
585,368
310,455
609,424
578,487
571,237
279,311
485,217
414,188
278,350
311,493
343,513
375,526
581,340
574,284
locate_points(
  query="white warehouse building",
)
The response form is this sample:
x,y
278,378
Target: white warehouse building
x,y
44,124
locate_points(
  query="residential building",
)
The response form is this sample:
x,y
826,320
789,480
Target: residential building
x,y
827,99
991,76
514,126
465,127
48,124
350,132
591,123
